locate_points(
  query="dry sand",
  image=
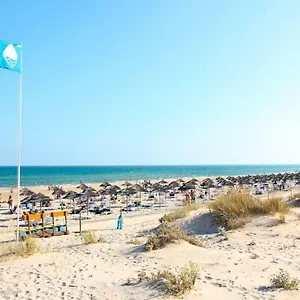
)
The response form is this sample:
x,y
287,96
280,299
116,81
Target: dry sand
x,y
237,268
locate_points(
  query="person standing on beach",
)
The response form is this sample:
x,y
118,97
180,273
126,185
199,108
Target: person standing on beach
x,y
120,220
193,197
187,199
10,202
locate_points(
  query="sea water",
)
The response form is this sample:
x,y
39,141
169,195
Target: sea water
x,y
40,175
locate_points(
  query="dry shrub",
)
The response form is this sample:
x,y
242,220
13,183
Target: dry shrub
x,y
235,210
282,219
296,196
237,223
275,205
178,213
284,281
24,248
175,284
135,241
89,237
167,234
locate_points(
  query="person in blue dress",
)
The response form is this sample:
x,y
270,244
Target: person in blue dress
x,y
120,220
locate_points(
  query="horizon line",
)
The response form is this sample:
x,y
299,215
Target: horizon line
x,y
158,165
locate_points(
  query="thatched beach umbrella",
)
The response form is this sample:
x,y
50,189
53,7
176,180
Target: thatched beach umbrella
x,y
193,181
89,190
126,183
105,184
88,194
162,182
26,192
180,180
71,195
116,187
34,198
82,186
160,190
58,192
173,185
128,191
110,190
187,186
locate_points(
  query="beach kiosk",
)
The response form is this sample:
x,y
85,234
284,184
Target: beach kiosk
x,y
45,225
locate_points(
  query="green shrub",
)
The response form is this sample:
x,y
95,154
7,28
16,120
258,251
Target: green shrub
x,y
284,281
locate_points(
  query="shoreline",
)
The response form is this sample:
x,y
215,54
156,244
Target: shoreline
x,y
44,176
133,181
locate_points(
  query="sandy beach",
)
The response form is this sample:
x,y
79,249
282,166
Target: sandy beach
x,y
237,268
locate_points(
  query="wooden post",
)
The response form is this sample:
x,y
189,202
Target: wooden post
x,y
159,200
87,213
53,224
66,222
43,224
29,226
80,219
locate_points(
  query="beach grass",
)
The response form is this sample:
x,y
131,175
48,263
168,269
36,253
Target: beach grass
x,y
178,213
167,234
135,241
174,283
89,237
235,210
24,248
296,196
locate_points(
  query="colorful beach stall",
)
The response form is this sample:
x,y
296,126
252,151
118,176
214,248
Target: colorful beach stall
x,y
45,225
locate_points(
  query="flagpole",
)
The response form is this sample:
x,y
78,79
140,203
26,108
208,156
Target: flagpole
x,y
19,144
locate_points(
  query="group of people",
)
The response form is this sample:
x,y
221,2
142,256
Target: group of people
x,y
190,198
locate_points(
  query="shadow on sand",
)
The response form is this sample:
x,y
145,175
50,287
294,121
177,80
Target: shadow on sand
x,y
201,224
136,250
155,287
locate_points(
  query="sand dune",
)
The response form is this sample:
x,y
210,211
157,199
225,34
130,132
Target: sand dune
x,y
237,268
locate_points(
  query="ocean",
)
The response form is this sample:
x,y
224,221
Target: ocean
x,y
31,176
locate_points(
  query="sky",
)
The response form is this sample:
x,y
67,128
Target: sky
x,y
153,82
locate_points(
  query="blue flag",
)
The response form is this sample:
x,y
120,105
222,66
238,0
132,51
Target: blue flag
x,y
10,56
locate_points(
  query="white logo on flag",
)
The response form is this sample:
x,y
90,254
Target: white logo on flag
x,y
10,55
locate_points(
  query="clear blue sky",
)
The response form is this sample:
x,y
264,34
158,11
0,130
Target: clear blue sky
x,y
153,82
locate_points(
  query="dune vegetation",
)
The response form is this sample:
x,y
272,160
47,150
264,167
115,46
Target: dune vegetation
x,y
235,210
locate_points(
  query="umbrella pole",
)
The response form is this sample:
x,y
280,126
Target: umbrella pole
x,y
87,207
159,200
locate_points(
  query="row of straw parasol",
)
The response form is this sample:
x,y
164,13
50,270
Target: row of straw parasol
x,y
161,186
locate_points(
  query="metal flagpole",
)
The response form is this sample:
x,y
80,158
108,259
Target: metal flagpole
x,y
19,144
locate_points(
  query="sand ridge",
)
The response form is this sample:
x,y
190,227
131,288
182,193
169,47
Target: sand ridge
x,y
228,268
